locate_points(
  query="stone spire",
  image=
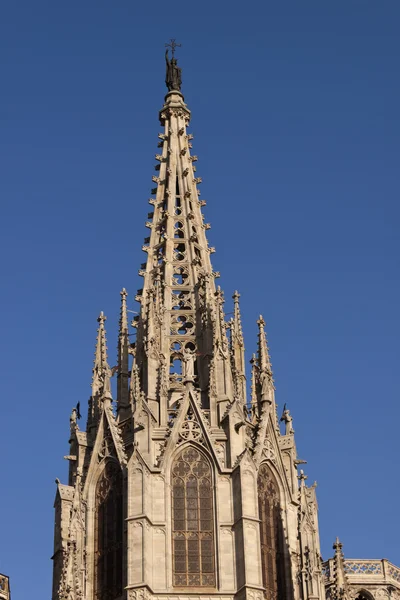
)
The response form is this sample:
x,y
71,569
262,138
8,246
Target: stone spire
x,y
254,400
123,403
340,589
265,380
237,349
101,384
182,427
264,360
181,309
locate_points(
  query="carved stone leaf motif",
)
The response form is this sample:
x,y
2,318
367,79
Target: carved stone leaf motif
x,y
139,594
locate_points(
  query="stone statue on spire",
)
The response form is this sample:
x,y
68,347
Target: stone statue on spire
x,y
173,75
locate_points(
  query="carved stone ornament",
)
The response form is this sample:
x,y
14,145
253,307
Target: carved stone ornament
x,y
220,452
190,429
139,594
268,450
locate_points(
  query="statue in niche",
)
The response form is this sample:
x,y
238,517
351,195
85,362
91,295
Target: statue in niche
x,y
265,385
288,420
105,378
188,363
309,563
173,75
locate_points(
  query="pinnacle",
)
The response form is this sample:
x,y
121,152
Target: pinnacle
x,y
337,545
302,478
101,347
123,316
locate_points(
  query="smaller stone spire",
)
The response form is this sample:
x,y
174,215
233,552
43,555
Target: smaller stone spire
x,y
237,320
341,584
101,380
264,361
123,359
254,403
237,349
265,380
100,360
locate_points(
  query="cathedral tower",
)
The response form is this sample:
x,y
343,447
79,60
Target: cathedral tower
x,y
182,488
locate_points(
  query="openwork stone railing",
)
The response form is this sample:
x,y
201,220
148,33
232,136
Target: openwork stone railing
x,y
358,569
363,567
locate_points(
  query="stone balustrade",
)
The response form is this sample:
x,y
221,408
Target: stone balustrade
x,y
380,569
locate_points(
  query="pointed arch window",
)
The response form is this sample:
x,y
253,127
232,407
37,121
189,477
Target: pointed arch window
x,y
192,520
272,556
108,533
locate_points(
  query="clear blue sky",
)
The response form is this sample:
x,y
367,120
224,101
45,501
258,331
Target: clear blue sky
x,y
296,122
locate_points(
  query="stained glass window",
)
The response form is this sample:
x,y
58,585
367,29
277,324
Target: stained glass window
x,y
108,534
192,520
271,534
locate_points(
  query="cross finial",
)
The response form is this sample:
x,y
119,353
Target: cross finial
x,y
173,45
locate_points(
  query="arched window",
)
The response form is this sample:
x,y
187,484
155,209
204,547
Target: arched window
x,y
364,595
271,534
108,534
192,520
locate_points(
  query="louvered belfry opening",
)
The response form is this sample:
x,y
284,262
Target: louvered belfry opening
x,y
192,520
271,534
108,534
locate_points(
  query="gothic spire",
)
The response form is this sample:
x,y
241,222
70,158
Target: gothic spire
x,y
237,348
254,402
264,361
181,309
100,360
123,359
265,383
101,384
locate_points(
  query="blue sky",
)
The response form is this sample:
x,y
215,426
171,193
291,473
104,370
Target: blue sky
x,y
296,125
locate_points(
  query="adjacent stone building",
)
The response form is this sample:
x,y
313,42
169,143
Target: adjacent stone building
x,y
184,487
360,579
4,587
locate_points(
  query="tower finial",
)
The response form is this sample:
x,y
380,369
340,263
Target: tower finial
x,y
173,75
173,45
